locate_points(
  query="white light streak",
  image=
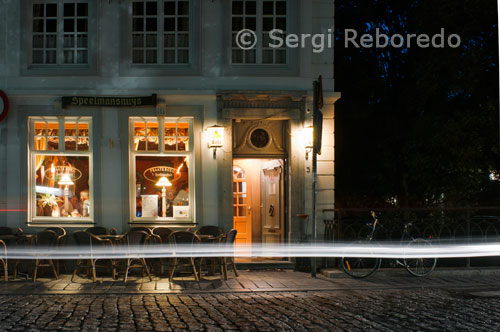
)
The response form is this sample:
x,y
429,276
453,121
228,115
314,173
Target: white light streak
x,y
382,250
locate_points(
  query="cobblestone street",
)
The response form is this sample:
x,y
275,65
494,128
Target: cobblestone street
x,y
376,304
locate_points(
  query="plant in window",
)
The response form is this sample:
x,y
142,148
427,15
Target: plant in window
x,y
51,201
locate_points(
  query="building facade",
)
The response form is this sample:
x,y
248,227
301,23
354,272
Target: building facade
x,y
130,113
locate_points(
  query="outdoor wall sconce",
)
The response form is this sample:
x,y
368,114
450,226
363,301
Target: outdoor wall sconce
x,y
66,182
215,137
307,138
163,182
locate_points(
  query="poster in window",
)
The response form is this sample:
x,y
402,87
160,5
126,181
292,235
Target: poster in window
x,y
150,206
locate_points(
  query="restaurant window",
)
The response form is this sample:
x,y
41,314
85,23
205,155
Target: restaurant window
x,y
60,169
260,16
161,32
162,176
59,33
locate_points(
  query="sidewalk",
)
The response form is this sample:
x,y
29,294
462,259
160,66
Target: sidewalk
x,y
247,282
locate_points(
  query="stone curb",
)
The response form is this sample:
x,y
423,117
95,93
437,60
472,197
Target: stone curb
x,y
438,272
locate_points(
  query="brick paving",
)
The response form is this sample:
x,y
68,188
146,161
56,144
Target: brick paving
x,y
256,301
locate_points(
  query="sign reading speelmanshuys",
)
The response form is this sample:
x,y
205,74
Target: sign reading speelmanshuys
x,y
105,101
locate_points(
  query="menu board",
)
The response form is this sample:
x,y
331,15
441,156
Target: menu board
x,y
149,206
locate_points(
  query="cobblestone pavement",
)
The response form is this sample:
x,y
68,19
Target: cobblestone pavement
x,y
377,304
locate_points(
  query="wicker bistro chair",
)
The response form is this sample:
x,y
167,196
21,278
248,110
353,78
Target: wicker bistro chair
x,y
163,233
136,239
61,237
97,230
44,240
183,238
3,260
228,240
88,242
209,230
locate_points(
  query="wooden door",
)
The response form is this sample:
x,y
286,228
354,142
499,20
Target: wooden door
x,y
242,218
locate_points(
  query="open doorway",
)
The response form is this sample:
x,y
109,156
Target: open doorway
x,y
258,200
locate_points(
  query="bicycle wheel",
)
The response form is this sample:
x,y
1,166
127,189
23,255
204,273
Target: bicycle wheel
x,y
420,267
360,267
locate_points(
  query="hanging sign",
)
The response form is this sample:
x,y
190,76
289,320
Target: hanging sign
x,y
6,105
103,101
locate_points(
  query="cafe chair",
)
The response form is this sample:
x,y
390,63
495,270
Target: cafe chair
x,y
163,233
61,236
88,242
3,260
97,230
183,238
209,230
44,240
137,240
228,241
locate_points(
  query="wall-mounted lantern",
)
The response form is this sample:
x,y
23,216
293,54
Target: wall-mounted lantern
x,y
307,138
215,137
163,182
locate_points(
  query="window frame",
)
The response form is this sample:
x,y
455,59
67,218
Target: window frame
x,y
190,155
128,68
33,219
90,68
291,68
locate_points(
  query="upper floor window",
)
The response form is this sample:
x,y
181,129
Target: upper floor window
x,y
161,32
262,17
60,32
60,166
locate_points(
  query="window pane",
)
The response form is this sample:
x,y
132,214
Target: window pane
x,y
237,23
152,129
138,8
69,41
169,56
170,129
152,143
281,56
237,56
138,56
54,196
267,56
281,8
170,40
251,23
140,144
83,129
237,7
267,24
40,143
82,25
268,8
182,24
183,8
149,170
183,144
51,26
69,57
38,26
82,9
151,56
70,129
183,56
250,7
138,24
169,24
169,7
139,129
137,40
40,128
81,57
38,10
151,24
150,40
151,8
50,41
170,144
69,136
281,23
51,10
83,143
82,41
50,57
69,9
250,56
183,40
37,41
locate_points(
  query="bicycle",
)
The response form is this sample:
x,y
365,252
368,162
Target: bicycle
x,y
360,267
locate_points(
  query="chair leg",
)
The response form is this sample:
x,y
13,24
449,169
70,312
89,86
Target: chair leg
x,y
53,268
172,269
94,276
234,266
74,271
5,271
146,268
126,271
35,271
224,266
113,269
194,269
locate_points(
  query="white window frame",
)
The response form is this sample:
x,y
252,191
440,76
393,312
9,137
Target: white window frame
x,y
32,204
190,154
259,48
160,35
60,33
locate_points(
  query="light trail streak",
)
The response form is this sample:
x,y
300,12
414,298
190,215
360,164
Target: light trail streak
x,y
379,250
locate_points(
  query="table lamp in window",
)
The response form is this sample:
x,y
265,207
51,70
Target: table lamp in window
x,y
66,182
163,182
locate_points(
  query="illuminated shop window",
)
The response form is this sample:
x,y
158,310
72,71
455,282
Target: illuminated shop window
x,y
61,169
162,176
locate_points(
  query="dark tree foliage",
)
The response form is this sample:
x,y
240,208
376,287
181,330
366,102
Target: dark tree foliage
x,y
419,125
